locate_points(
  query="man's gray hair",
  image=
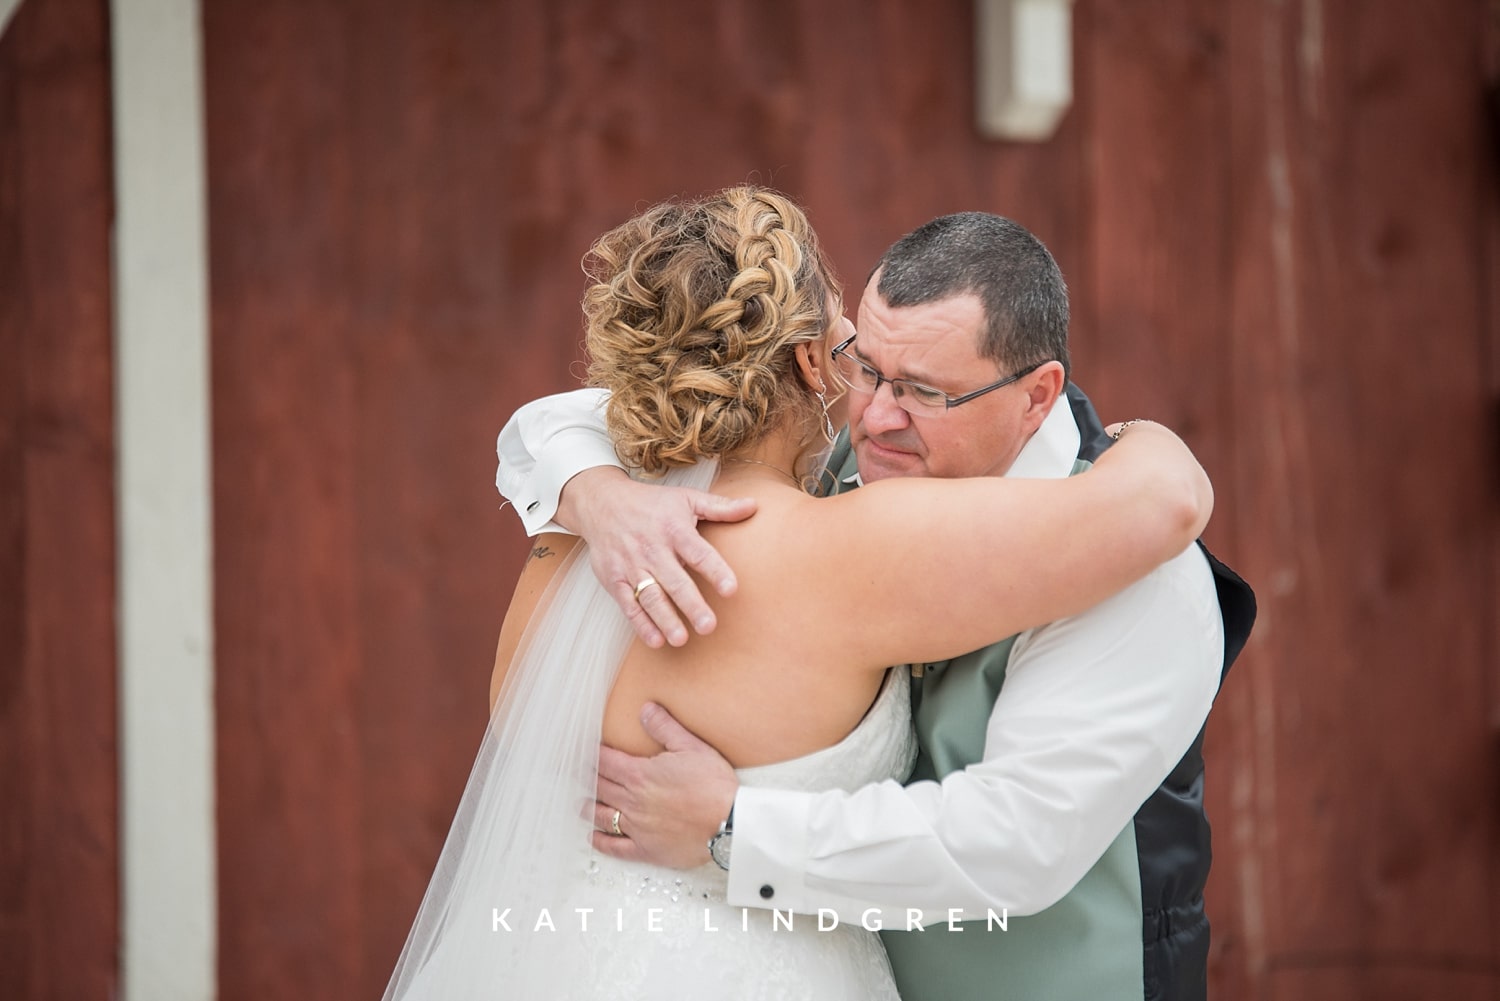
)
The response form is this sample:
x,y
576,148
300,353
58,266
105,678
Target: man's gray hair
x,y
999,262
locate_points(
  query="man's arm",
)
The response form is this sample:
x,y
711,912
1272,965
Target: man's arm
x,y
1095,712
559,469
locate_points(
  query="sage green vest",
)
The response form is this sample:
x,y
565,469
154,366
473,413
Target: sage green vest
x,y
1087,946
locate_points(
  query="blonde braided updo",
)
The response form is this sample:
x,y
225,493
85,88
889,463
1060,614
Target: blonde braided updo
x,y
692,317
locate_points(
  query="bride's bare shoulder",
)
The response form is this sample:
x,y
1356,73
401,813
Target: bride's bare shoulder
x,y
789,553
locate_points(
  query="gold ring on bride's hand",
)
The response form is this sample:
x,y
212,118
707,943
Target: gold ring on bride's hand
x,y
614,825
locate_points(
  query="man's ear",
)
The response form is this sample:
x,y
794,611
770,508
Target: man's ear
x,y
1044,386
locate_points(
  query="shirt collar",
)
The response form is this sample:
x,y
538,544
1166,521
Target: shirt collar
x,y
1050,453
1053,449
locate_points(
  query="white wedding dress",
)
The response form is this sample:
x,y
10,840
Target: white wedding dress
x,y
520,907
751,953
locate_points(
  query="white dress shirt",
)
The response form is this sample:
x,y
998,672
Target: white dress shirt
x,y
1095,712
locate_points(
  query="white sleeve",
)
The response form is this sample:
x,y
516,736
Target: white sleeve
x,y
544,445
1095,712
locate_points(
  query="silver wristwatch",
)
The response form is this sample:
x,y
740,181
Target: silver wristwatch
x,y
721,844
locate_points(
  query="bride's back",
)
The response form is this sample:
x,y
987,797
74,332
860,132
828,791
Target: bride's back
x,y
773,681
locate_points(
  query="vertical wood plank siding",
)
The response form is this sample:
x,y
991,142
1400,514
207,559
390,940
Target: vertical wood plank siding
x,y
1365,509
58,801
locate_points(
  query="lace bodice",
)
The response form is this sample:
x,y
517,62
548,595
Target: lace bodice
x,y
881,746
748,954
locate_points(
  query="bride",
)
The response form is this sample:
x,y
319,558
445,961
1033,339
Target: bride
x,y
710,324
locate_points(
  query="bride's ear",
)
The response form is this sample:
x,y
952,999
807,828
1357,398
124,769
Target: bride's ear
x,y
811,366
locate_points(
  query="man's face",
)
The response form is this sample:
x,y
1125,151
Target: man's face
x,y
936,344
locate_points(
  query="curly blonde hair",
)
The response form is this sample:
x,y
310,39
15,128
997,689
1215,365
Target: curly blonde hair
x,y
691,320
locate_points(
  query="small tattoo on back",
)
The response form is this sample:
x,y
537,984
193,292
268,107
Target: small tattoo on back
x,y
540,553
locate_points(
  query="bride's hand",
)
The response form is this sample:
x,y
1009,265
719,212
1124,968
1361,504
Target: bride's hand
x,y
1169,470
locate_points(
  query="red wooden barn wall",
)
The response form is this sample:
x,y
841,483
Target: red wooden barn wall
x,y
58,802
1356,756
1278,218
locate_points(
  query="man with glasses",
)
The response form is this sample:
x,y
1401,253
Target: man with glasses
x,y
1060,781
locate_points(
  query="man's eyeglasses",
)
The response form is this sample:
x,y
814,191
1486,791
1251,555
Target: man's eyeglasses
x,y
913,397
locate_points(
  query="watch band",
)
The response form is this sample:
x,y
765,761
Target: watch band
x,y
724,836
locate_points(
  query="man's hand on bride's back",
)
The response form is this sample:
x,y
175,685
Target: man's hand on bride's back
x,y
662,809
637,533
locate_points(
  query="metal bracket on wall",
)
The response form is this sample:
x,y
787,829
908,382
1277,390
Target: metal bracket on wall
x,y
7,10
1023,67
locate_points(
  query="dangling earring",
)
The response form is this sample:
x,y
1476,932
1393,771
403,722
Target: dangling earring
x,y
827,420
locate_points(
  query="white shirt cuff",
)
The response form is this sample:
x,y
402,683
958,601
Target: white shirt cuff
x,y
536,496
769,859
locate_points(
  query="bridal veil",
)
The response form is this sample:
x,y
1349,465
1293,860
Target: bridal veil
x,y
522,831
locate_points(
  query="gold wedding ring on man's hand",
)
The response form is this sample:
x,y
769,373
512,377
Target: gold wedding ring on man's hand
x,y
647,581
